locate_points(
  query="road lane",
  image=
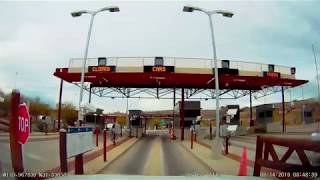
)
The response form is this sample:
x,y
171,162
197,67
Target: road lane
x,y
133,161
157,155
179,162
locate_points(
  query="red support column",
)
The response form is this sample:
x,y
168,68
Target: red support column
x,y
59,104
283,111
145,126
121,130
173,115
210,131
191,139
90,94
104,145
251,120
97,136
78,164
137,128
114,138
63,151
16,151
182,114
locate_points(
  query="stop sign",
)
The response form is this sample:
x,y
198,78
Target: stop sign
x,y
23,124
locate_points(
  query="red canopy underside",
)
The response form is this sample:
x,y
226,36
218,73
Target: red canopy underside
x,y
171,80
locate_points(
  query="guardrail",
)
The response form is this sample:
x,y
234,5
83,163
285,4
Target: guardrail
x,y
179,62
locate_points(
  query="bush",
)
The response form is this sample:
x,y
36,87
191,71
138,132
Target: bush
x,y
41,126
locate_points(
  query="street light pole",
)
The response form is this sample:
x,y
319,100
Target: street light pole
x,y
92,13
217,144
317,75
80,117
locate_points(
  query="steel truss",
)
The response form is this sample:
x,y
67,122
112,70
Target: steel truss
x,y
166,93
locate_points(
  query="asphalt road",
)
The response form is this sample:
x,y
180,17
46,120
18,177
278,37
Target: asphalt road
x,y
178,161
38,155
157,155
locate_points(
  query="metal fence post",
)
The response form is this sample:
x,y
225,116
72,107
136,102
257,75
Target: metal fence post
x,y
63,151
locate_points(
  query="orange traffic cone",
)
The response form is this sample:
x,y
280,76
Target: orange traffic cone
x,y
243,170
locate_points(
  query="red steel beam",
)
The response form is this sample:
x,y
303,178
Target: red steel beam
x,y
182,114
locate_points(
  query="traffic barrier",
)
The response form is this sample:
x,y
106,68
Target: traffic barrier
x,y
243,170
265,148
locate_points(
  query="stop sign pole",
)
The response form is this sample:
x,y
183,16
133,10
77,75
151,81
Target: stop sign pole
x,y
16,148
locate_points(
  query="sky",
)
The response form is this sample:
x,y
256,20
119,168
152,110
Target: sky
x,y
37,37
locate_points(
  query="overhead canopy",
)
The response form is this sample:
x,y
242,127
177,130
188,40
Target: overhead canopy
x,y
157,77
146,72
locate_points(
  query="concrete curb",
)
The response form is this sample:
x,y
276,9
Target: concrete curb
x,y
200,160
109,162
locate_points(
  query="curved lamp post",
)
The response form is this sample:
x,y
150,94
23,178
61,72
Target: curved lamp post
x,y
92,13
217,144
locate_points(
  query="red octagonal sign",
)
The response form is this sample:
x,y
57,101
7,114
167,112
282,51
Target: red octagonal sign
x,y
23,124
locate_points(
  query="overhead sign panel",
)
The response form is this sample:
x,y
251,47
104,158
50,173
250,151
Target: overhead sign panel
x,y
227,71
79,140
102,69
159,69
271,74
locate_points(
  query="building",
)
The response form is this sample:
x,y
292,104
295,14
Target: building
x,y
135,117
295,114
231,115
192,109
264,115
